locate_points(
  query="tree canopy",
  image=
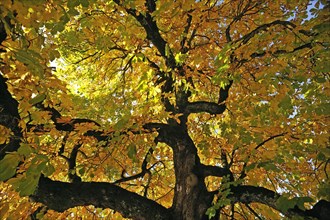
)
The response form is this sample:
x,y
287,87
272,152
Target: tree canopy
x,y
158,109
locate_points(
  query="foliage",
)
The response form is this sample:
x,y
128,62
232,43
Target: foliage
x,y
208,107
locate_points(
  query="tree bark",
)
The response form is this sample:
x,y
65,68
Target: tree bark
x,y
61,196
191,198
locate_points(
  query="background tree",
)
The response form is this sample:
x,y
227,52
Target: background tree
x,y
164,109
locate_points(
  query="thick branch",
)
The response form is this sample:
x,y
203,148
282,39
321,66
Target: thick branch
x,y
9,118
203,106
249,194
151,5
208,170
60,196
72,164
210,107
224,92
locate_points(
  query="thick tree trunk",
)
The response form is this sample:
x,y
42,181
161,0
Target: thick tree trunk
x,y
191,198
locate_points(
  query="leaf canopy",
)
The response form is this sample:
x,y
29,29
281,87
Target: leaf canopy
x,y
208,107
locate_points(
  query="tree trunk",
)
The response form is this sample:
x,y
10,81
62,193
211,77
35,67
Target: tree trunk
x,y
191,198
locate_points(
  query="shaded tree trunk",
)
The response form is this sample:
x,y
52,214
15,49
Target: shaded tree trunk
x,y
9,116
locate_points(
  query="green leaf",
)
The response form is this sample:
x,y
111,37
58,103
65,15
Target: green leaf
x,y
285,103
324,191
8,166
25,185
301,200
132,151
223,68
252,166
219,80
39,98
167,50
53,54
120,124
73,39
271,166
38,165
82,171
25,150
326,152
48,170
73,3
284,203
180,58
320,79
321,156
84,3
58,27
323,109
31,59
211,212
73,12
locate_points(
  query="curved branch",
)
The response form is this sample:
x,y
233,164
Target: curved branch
x,y
144,169
210,107
264,27
269,139
275,53
72,163
250,194
60,196
243,173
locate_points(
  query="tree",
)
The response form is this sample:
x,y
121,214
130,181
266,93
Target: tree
x,y
164,109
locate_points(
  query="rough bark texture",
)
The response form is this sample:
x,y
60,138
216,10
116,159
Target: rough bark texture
x,y
60,196
191,198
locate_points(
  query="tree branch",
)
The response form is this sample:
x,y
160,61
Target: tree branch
x,y
184,49
203,106
243,173
60,196
150,26
208,170
250,194
269,139
264,27
275,53
72,164
210,107
144,169
9,117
